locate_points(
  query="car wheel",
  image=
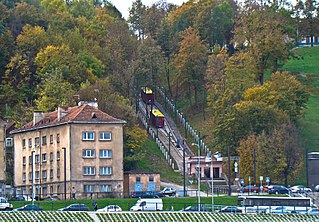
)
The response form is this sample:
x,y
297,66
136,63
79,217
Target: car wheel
x,y
276,192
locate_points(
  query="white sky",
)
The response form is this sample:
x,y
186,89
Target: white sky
x,y
124,5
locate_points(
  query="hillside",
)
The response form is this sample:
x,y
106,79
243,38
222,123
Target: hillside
x,y
305,65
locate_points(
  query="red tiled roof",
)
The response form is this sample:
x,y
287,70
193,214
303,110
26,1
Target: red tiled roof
x,y
84,113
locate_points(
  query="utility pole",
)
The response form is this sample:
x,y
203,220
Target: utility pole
x,y
229,185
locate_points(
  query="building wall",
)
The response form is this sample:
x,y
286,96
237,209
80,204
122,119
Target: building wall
x,y
50,184
115,180
70,138
131,181
2,157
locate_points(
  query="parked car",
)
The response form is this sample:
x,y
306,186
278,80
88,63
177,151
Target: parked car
x,y
195,208
279,210
110,208
300,189
313,211
169,191
52,198
75,207
278,189
317,188
4,204
146,194
230,209
250,189
28,207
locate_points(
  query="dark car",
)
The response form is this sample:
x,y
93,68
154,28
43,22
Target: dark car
x,y
146,194
28,207
230,209
75,207
250,189
278,189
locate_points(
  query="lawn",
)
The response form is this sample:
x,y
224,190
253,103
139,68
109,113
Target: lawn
x,y
126,204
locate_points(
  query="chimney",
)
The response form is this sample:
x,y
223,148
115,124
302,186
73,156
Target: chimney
x,y
61,112
37,117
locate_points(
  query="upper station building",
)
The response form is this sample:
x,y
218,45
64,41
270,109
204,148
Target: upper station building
x,y
80,148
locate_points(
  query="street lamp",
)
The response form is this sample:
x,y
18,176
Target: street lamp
x,y
198,175
33,172
212,176
64,161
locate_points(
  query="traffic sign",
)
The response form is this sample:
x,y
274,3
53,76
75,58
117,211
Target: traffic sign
x,y
242,181
261,178
235,164
267,179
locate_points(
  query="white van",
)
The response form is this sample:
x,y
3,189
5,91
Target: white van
x,y
148,205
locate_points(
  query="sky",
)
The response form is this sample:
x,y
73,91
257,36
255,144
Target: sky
x,y
124,5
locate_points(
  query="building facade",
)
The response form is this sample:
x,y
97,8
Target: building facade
x,y
71,151
141,180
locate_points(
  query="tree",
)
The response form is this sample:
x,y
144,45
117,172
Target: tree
x,y
54,91
286,158
260,31
191,62
135,19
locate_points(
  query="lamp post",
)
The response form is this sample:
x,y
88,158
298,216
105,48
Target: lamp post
x,y
33,172
64,161
212,174
198,175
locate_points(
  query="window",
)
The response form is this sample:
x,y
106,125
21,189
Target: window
x,y
89,188
58,189
30,176
88,170
87,135
30,142
51,156
37,175
58,172
37,141
105,188
37,158
44,157
24,176
88,153
44,191
51,139
151,178
24,161
58,138
44,140
23,143
105,170
51,173
105,136
51,190
30,160
58,155
44,174
138,179
105,153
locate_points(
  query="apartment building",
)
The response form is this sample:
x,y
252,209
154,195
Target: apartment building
x,y
71,150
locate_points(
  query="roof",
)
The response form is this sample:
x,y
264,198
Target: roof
x,y
157,113
78,114
147,90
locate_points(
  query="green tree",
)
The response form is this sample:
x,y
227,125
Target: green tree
x,y
54,91
191,62
136,18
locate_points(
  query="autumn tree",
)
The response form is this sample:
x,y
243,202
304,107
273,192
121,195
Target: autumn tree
x,y
136,18
190,63
260,31
286,153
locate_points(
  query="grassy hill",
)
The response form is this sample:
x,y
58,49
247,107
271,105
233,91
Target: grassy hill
x,y
306,66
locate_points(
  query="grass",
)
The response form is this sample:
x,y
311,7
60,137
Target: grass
x,y
126,204
154,161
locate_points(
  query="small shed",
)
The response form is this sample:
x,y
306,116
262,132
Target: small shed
x,y
141,180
